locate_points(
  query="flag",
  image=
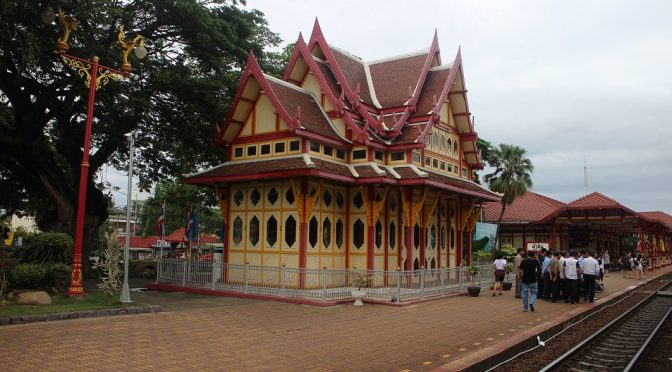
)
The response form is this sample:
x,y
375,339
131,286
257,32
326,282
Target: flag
x,y
221,231
160,223
187,228
194,226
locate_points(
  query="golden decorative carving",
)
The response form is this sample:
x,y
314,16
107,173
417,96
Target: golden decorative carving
x,y
373,211
79,66
473,217
426,213
104,77
127,46
466,213
411,209
305,203
223,202
68,24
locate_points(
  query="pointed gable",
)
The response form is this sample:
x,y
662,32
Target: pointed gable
x,y
595,200
288,101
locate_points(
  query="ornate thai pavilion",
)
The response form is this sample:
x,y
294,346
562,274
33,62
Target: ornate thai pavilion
x,y
344,162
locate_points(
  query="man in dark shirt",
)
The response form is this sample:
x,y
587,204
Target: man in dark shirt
x,y
528,272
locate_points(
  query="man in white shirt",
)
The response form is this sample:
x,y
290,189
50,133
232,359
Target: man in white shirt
x,y
563,281
591,268
572,271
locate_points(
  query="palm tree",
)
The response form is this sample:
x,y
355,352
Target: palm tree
x,y
510,177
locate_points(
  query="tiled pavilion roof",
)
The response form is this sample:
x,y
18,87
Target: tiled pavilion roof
x,y
527,208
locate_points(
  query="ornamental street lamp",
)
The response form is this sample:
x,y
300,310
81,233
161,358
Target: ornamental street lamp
x,y
95,75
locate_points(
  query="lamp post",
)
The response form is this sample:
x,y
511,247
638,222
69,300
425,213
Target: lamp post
x,y
95,75
125,296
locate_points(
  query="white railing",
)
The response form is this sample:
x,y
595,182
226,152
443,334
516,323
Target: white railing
x,y
320,284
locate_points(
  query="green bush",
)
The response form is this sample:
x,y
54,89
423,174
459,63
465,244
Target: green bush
x,y
58,276
27,276
49,247
35,276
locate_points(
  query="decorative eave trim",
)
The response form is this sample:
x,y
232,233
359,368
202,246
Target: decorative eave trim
x,y
377,169
393,172
352,170
308,161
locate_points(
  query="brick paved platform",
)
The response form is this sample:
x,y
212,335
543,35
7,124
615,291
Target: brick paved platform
x,y
250,335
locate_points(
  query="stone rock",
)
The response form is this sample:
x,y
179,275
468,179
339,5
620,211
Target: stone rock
x,y
33,298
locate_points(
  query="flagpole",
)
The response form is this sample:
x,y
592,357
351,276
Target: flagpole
x,y
163,227
198,231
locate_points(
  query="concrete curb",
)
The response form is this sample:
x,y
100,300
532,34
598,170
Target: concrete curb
x,y
22,319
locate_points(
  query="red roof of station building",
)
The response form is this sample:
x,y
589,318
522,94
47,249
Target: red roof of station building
x,y
364,94
177,236
362,173
393,78
658,216
530,207
139,242
595,200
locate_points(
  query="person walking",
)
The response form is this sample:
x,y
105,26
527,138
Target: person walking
x,y
606,261
528,272
590,269
516,263
500,272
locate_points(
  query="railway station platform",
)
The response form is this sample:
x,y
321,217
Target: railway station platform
x,y
195,332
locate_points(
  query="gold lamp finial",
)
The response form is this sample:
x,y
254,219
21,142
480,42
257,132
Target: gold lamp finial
x,y
137,43
68,24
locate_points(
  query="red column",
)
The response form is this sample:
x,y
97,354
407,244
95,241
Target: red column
x,y
76,288
469,239
303,234
408,239
370,241
423,244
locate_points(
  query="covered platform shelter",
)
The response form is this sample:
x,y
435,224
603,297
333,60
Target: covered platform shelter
x,y
593,222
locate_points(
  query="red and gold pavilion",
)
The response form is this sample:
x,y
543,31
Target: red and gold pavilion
x,y
345,163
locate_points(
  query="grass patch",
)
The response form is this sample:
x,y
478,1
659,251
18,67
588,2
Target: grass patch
x,y
64,304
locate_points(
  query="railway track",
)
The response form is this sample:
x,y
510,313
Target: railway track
x,y
618,345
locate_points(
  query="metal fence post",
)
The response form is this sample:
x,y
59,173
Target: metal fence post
x,y
324,283
282,279
460,277
247,263
184,273
158,271
214,270
441,274
422,281
398,284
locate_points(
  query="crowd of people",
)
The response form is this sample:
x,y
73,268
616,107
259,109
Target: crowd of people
x,y
564,276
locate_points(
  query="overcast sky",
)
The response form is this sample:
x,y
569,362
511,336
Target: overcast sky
x,y
569,81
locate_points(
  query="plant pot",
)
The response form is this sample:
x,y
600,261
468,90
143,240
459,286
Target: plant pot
x,y
358,295
507,286
473,291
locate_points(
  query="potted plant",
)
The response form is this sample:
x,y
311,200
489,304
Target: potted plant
x,y
506,285
360,280
473,290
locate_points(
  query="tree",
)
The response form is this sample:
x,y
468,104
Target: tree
x,y
179,197
197,51
511,176
485,148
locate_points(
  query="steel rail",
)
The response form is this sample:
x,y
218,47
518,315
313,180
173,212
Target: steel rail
x,y
648,340
564,357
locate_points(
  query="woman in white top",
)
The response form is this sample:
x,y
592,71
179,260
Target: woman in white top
x,y
500,272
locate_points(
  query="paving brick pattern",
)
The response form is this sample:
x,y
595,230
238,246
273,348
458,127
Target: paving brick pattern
x,y
247,335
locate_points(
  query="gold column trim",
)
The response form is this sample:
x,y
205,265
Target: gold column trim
x,y
428,211
411,209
